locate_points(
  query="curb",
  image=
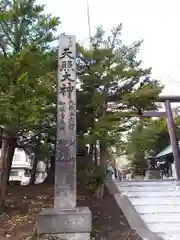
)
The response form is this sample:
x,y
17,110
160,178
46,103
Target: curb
x,y
133,218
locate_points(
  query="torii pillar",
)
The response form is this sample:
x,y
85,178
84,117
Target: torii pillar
x,y
172,132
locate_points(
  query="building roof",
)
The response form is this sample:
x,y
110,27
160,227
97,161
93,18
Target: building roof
x,y
166,151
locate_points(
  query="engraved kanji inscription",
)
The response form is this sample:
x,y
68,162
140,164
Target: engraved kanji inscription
x,y
72,141
72,115
67,76
62,114
67,89
66,64
61,124
70,89
65,149
62,153
72,121
72,106
61,141
61,107
62,104
59,155
67,53
65,167
63,89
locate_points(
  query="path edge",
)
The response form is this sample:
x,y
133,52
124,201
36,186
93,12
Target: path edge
x,y
133,218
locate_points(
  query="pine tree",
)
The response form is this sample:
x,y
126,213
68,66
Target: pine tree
x,y
113,83
27,73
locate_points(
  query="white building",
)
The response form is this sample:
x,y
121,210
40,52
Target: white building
x,y
21,166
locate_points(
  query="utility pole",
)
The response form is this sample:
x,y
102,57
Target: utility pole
x,y
89,23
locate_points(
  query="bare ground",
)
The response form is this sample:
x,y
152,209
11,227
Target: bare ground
x,y
25,202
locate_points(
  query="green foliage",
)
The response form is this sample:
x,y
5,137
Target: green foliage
x,y
144,97
147,138
27,68
24,23
92,177
111,72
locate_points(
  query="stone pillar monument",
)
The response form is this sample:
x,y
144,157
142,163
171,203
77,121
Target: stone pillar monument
x,y
65,221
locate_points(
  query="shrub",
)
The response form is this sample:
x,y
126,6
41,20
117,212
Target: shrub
x,y
93,177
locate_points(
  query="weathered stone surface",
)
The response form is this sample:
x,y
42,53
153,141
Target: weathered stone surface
x,y
65,185
65,236
65,221
65,167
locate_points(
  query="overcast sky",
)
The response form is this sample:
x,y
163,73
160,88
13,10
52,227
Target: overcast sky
x,y
155,21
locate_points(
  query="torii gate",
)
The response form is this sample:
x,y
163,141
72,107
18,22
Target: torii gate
x,y
171,127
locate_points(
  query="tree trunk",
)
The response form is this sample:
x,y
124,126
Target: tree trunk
x,y
33,171
7,152
12,146
99,193
103,155
95,155
90,155
36,158
103,144
51,171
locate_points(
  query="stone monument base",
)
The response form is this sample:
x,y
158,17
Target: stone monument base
x,y
66,224
64,236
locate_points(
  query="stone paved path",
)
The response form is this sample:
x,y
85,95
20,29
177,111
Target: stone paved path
x,y
158,203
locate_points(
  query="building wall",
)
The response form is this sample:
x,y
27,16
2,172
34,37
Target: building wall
x,y
21,167
17,174
21,159
21,164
